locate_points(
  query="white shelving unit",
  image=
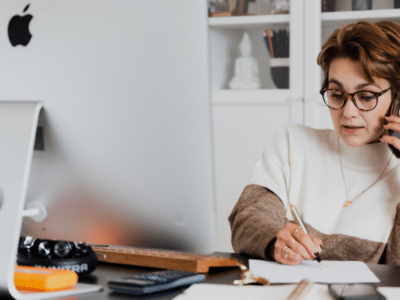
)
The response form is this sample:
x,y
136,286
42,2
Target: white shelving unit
x,y
225,34
249,22
252,97
353,16
245,120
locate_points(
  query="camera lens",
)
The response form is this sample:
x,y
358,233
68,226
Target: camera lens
x,y
63,249
43,249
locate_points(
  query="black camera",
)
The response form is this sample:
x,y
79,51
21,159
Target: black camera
x,y
73,256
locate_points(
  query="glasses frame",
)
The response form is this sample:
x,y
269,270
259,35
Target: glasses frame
x,y
377,95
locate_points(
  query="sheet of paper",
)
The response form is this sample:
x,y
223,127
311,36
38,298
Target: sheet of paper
x,y
390,293
331,272
278,292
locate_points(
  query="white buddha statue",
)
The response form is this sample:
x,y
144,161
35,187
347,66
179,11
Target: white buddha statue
x,y
246,68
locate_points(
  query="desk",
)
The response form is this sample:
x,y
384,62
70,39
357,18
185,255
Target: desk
x,y
388,275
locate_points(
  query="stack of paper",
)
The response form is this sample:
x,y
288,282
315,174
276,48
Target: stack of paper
x,y
390,293
331,272
253,292
276,292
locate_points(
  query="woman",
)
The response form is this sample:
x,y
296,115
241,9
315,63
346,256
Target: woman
x,y
345,182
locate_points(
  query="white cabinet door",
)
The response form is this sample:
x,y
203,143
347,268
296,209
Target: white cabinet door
x,y
244,121
240,135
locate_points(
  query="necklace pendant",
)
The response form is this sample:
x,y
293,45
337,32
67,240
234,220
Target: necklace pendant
x,y
347,203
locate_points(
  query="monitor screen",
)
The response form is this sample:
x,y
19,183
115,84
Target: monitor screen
x,y
124,149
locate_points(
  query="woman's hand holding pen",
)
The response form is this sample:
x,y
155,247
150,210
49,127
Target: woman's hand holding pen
x,y
293,245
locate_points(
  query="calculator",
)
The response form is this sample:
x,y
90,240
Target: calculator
x,y
155,282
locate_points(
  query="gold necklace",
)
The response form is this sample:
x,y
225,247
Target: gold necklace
x,y
348,202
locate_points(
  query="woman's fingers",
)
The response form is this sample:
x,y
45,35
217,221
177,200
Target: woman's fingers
x,y
286,255
307,242
393,118
293,245
316,241
393,124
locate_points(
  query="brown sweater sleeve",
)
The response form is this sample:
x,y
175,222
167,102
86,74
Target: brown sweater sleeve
x,y
256,219
392,251
345,247
259,215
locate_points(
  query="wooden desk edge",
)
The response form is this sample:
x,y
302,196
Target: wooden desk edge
x,y
192,263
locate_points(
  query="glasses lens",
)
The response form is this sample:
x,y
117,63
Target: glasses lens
x,y
334,98
365,100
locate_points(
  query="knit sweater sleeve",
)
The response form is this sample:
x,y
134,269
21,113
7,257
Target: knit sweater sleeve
x,y
256,219
392,252
259,215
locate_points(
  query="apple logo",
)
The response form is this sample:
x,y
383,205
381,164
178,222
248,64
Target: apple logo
x,y
18,29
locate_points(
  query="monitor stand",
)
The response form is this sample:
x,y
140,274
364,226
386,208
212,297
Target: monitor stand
x,y
18,122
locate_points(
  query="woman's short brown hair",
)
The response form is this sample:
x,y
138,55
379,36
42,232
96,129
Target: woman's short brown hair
x,y
375,45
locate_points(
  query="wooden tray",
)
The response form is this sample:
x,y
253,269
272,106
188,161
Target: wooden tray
x,y
163,259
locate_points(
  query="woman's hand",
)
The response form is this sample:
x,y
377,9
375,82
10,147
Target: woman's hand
x,y
393,124
293,245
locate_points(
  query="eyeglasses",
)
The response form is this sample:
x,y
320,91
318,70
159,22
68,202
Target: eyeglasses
x,y
363,100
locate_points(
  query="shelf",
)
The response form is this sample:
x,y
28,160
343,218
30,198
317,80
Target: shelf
x,y
328,18
251,97
337,18
249,22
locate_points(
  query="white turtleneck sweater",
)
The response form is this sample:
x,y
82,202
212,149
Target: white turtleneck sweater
x,y
302,165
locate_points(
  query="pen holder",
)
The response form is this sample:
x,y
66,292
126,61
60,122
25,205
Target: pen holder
x,y
280,72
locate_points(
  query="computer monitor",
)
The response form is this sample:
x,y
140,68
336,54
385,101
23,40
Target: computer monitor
x,y
124,141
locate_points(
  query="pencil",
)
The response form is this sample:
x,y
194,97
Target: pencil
x,y
270,43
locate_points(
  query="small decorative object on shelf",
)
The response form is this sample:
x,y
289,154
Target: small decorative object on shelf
x,y
396,3
361,4
277,43
246,68
227,8
280,6
328,5
259,7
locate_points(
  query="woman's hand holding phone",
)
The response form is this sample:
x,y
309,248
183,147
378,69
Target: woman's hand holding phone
x,y
393,136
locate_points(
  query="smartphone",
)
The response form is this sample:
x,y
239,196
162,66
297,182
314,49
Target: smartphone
x,y
356,291
394,110
394,150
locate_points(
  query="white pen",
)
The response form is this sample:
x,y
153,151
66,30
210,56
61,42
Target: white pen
x,y
299,222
